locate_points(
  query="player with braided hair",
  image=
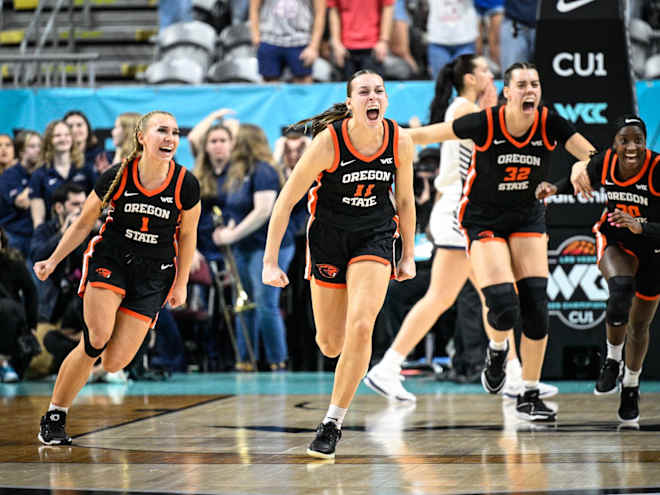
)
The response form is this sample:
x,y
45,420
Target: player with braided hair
x,y
139,261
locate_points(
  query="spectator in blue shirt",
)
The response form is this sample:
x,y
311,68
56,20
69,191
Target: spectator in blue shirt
x,y
252,184
7,152
60,161
14,195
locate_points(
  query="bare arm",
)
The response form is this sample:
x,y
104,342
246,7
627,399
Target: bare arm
x,y
405,204
338,49
319,24
318,156
187,244
382,45
435,133
263,205
579,147
22,200
37,211
197,133
255,7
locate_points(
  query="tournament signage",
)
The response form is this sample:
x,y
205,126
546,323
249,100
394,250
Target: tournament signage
x,y
582,52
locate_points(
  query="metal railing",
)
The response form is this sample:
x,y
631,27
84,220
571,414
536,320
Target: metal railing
x,y
50,67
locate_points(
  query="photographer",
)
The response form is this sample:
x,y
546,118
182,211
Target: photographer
x,y
56,293
18,310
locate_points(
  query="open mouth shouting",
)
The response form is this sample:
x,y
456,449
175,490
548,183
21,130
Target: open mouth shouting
x,y
529,104
373,112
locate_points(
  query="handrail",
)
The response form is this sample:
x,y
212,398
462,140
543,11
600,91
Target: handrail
x,y
53,58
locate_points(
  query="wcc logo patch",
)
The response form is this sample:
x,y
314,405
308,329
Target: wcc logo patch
x,y
328,271
104,272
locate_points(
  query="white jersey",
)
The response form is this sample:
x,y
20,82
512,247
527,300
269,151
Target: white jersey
x,y
455,158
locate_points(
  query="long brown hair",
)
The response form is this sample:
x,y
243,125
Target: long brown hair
x,y
47,154
335,112
127,121
203,169
136,149
91,140
251,147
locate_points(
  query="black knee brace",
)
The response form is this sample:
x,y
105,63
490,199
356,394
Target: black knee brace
x,y
533,306
503,307
89,349
622,290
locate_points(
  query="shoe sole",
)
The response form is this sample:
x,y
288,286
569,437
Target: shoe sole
x,y
372,385
536,419
615,390
53,442
486,386
634,420
320,455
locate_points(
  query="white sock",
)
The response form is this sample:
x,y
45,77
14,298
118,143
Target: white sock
x,y
531,384
393,359
336,415
631,378
498,346
53,407
614,351
514,363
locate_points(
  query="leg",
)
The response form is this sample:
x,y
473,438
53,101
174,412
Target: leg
x,y
127,337
494,26
245,322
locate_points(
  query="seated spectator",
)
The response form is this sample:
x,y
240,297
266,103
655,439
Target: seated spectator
x,y
56,291
85,140
60,161
18,310
7,152
360,34
287,33
14,195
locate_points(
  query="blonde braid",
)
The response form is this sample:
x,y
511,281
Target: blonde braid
x,y
115,181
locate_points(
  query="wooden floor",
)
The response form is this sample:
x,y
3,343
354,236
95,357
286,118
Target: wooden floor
x,y
465,442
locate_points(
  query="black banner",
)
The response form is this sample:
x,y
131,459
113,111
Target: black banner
x,y
582,52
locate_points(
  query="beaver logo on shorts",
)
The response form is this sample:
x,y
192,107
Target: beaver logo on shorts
x,y
328,271
104,272
484,234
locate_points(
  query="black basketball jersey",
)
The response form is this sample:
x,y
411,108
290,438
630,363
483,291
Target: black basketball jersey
x,y
145,221
506,170
356,192
636,196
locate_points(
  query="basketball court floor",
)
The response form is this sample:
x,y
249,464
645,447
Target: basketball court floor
x,y
247,434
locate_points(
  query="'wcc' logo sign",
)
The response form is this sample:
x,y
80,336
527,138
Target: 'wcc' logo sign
x,y
590,113
577,292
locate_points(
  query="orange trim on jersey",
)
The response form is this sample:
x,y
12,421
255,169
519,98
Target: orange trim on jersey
x,y
647,298
397,232
177,188
606,166
395,144
601,240
356,153
122,183
633,179
651,188
85,263
526,234
328,285
335,144
490,239
628,251
169,292
518,144
544,135
369,257
308,255
152,192
313,195
489,134
113,288
140,317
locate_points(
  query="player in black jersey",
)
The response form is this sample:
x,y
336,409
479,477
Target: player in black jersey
x,y
355,158
139,261
628,241
505,223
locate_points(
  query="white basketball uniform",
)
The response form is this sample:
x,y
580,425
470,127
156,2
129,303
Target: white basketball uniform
x,y
455,158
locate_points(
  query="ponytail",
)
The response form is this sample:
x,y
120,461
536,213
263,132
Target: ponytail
x,y
319,122
451,76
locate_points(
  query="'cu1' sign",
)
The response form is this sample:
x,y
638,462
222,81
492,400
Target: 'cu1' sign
x,y
568,64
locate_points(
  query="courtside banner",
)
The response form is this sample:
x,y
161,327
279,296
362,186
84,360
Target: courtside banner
x,y
582,52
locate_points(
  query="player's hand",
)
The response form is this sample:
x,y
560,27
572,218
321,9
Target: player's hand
x,y
580,180
623,220
489,97
178,295
272,274
544,190
43,269
406,269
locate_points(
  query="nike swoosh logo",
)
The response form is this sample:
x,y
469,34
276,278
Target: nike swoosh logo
x,y
498,141
343,164
130,194
164,266
563,6
608,183
632,121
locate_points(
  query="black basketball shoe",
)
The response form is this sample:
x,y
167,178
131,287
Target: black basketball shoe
x,y
531,407
608,377
629,405
323,446
493,375
52,429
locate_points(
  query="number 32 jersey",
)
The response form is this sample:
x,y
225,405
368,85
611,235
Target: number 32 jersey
x,y
355,193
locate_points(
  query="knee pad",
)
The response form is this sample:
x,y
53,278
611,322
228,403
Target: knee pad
x,y
532,292
503,306
622,290
91,351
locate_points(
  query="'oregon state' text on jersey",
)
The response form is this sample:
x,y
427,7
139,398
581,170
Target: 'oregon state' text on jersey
x,y
146,221
504,170
355,193
636,196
